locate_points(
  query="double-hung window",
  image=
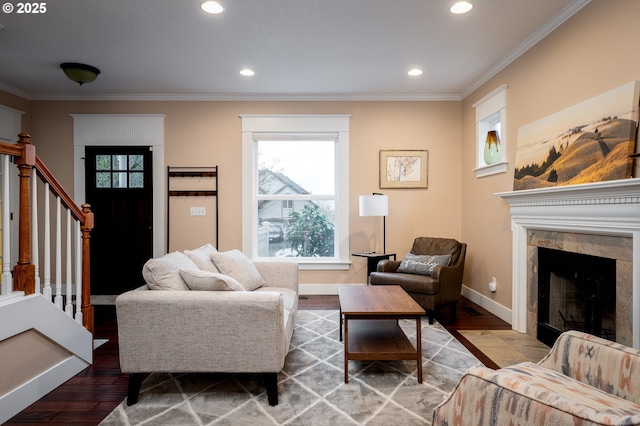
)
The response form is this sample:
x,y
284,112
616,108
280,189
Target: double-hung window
x,y
295,189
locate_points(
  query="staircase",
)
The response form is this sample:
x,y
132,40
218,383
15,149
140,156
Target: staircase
x,y
46,321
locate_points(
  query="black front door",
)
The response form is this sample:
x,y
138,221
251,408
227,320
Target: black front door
x,y
120,192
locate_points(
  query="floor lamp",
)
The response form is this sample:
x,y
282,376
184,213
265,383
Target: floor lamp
x,y
376,205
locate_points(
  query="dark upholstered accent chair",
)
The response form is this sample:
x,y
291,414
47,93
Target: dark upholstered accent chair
x,y
442,288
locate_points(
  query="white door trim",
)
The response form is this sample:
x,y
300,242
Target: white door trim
x,y
123,130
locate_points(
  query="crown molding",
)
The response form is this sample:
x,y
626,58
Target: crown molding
x,y
14,91
301,97
544,31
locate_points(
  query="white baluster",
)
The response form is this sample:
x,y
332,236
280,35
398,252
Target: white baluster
x,y
47,243
78,252
7,280
35,259
69,305
58,299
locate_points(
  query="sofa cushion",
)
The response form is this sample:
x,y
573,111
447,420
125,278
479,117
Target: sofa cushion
x,y
289,296
197,279
422,264
202,257
163,273
238,266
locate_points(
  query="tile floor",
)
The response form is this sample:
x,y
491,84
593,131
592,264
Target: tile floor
x,y
506,347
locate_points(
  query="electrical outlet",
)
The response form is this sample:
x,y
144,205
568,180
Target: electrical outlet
x,y
198,211
493,286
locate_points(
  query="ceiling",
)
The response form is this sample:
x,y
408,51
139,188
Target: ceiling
x,y
299,49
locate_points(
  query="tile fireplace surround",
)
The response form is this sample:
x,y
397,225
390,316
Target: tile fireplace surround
x,y
601,219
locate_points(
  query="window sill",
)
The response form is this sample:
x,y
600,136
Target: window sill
x,y
313,265
330,265
492,169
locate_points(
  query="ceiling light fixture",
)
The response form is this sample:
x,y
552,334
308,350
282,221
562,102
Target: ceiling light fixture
x,y
80,73
212,7
461,7
415,72
247,72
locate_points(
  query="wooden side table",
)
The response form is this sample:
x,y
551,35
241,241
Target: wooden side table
x,y
372,260
369,316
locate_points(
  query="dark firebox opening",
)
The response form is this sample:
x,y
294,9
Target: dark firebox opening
x,y
575,292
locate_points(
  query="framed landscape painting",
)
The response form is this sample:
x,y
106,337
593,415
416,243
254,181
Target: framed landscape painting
x,y
403,169
589,142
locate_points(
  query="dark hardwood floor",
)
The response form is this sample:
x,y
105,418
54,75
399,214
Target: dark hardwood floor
x,y
91,395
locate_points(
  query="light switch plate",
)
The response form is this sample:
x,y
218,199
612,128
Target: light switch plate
x,y
198,211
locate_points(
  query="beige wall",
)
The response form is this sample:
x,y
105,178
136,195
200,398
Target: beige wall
x,y
591,53
209,133
595,51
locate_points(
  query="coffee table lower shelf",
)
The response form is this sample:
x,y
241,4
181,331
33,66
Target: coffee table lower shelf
x,y
378,340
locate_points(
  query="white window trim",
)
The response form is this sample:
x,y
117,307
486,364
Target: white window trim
x,y
292,123
490,109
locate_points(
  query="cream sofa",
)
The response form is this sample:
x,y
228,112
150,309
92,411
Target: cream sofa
x,y
584,380
166,326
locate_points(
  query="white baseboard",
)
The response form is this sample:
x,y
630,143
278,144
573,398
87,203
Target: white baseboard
x,y
495,308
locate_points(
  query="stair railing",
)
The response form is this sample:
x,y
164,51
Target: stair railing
x,y
79,222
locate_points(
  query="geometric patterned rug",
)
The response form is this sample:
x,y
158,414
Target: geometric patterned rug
x,y
311,388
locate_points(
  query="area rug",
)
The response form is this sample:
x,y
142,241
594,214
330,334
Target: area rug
x,y
99,342
311,386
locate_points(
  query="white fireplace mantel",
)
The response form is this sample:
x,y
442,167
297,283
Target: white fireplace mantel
x,y
603,208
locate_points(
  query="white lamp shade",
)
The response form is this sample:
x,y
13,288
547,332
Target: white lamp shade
x,y
374,205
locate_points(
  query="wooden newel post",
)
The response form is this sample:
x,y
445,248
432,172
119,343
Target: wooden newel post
x,y
24,273
87,309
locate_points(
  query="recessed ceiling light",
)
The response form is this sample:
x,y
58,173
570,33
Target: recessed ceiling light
x,y
415,72
212,7
461,7
247,72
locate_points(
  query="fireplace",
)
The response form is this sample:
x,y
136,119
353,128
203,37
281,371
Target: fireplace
x,y
575,292
597,219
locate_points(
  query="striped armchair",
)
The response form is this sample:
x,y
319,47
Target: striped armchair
x,y
584,380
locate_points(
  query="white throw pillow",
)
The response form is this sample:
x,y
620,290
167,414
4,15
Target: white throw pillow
x,y
198,279
202,257
238,266
163,273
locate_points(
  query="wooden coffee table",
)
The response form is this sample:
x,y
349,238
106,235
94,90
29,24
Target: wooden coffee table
x,y
369,315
